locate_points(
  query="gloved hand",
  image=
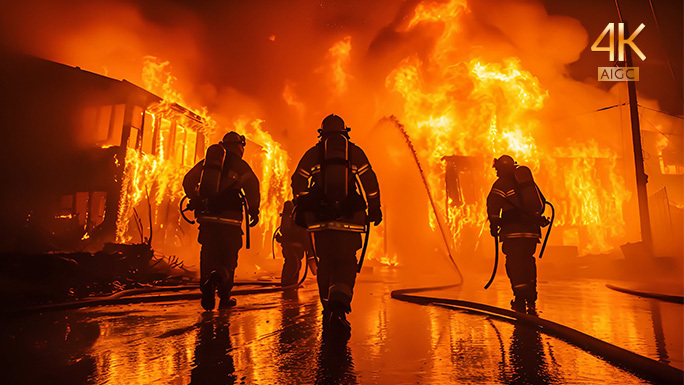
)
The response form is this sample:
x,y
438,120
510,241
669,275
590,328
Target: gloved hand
x,y
494,226
544,221
253,218
494,230
374,215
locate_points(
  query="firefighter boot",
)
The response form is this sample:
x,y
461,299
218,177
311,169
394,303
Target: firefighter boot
x,y
226,303
518,304
208,288
337,324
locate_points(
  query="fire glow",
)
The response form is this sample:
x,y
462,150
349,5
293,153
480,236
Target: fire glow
x,y
455,105
159,179
462,97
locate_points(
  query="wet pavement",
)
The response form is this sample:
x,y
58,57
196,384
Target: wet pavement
x,y
275,338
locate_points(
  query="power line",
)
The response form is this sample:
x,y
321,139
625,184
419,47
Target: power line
x,y
656,128
662,112
592,111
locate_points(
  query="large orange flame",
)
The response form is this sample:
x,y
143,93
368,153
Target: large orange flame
x,y
157,178
456,104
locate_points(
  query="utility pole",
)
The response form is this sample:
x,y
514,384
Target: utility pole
x,y
641,177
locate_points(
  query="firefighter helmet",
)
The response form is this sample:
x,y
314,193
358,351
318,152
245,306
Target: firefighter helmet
x,y
234,137
333,123
504,164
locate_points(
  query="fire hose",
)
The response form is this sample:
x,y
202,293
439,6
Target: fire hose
x,y
187,208
546,238
365,245
273,238
496,261
245,206
393,119
643,367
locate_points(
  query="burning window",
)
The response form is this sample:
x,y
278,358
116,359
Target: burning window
x,y
134,138
103,125
460,184
670,156
189,155
163,145
179,144
87,207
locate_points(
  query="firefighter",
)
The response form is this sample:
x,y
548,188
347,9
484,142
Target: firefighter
x,y
514,207
220,213
327,186
295,244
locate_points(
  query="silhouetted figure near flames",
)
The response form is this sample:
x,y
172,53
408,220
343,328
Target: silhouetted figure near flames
x,y
219,187
514,207
295,244
328,187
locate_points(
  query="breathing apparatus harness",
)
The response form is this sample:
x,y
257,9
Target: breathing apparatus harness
x,y
335,155
525,211
210,180
243,202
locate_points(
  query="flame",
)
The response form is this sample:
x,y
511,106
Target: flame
x,y
272,160
291,98
157,77
158,177
590,201
147,177
457,104
378,249
339,56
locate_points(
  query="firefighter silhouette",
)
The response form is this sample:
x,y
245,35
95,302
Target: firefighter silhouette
x,y
328,187
219,187
514,207
295,244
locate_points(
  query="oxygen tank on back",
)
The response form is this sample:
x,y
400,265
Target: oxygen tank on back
x,y
335,169
210,181
528,193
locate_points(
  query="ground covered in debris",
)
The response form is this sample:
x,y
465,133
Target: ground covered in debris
x,y
55,277
276,338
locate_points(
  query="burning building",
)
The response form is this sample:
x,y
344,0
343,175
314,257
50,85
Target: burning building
x,y
467,80
90,159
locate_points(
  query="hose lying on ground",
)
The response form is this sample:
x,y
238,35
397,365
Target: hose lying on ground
x,y
641,366
128,296
663,297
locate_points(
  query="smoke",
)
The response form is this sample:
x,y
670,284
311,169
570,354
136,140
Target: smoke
x,y
292,63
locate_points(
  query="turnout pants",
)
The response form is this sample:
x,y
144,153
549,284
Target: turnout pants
x,y
336,252
521,267
293,253
220,246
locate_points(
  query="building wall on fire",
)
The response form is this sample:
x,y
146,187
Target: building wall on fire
x,y
66,134
664,165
